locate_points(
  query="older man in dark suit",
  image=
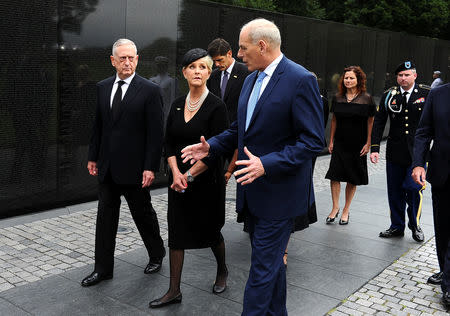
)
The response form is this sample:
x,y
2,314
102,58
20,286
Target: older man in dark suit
x,y
125,153
435,126
279,129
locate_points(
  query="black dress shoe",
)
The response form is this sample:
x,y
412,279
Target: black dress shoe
x,y
94,278
391,232
153,266
330,220
158,303
436,278
446,299
417,234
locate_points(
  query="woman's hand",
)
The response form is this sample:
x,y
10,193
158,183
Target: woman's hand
x,y
227,177
365,150
179,183
330,147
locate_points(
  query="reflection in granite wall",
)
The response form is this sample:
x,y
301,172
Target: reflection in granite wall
x,y
82,62
54,51
28,119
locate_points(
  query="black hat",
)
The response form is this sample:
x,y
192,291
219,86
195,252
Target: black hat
x,y
192,55
407,65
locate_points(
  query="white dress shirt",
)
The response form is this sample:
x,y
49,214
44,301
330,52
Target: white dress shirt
x,y
229,70
409,92
269,72
124,87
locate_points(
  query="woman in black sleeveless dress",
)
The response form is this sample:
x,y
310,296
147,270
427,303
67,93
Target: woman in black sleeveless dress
x,y
351,128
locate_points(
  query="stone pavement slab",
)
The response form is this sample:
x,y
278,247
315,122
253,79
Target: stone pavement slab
x,y
332,269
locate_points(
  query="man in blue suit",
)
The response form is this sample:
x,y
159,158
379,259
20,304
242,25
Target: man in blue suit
x,y
279,129
435,126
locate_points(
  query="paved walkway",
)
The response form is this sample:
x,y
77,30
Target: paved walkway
x,y
333,269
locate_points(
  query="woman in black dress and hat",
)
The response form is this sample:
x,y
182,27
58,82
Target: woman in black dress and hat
x,y
196,201
351,128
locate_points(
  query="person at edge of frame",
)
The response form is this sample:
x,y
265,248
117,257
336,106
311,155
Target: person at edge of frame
x,y
435,126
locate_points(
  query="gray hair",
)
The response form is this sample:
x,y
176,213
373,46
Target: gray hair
x,y
121,42
262,29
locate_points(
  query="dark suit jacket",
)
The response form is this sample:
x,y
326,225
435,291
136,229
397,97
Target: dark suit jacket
x,y
285,132
435,125
133,142
233,89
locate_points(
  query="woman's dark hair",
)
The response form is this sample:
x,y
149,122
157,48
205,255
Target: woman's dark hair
x,y
360,79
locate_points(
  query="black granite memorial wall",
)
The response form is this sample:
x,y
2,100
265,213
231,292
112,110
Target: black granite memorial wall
x,y
54,51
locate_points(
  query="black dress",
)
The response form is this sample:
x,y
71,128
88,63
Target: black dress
x,y
346,164
196,216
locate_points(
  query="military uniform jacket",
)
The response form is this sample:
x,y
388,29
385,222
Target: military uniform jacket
x,y
403,123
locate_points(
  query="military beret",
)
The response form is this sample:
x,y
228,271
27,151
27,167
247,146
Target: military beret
x,y
407,65
192,55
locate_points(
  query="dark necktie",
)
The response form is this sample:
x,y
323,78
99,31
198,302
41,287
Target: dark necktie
x,y
404,102
224,83
115,108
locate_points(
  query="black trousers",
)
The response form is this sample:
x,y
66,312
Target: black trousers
x,y
144,216
441,214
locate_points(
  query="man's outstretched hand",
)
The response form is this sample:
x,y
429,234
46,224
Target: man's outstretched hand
x,y
195,152
253,169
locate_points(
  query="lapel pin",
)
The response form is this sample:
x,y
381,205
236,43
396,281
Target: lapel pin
x,y
415,90
178,109
234,76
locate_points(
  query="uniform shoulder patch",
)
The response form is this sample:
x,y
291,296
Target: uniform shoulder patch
x,y
390,89
424,86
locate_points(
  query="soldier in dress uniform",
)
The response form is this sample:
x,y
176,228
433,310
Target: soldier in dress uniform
x,y
403,104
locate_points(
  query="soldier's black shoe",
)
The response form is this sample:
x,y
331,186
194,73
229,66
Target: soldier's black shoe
x,y
153,266
94,278
436,278
446,299
417,233
391,232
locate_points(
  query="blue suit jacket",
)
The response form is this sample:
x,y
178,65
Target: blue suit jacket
x,y
285,132
435,125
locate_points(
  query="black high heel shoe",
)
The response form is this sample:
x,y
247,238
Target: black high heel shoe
x,y
218,289
330,220
343,222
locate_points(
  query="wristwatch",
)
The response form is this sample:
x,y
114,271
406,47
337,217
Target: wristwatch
x,y
190,177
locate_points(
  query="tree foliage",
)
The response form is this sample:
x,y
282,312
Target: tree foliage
x,y
267,5
420,17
